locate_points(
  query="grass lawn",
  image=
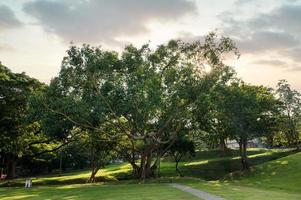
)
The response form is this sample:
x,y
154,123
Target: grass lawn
x,y
280,174
212,165
279,179
104,192
233,191
270,179
108,174
207,165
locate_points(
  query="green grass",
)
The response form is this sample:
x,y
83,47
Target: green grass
x,y
213,165
279,179
207,165
110,173
232,191
104,192
280,174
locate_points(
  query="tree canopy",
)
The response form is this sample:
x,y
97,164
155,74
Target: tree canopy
x,y
142,97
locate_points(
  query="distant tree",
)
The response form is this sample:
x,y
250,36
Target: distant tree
x,y
291,110
19,135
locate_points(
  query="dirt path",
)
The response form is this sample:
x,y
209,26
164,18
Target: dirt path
x,y
195,192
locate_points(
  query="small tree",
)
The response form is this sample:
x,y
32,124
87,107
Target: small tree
x,y
100,153
180,148
291,110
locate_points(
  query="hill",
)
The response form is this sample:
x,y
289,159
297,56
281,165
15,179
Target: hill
x,y
283,174
278,179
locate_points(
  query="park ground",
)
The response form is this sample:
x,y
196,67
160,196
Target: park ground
x,y
276,175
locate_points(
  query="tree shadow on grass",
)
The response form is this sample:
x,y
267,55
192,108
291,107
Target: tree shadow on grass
x,y
219,168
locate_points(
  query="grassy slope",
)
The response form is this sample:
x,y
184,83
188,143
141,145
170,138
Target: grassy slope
x,y
281,174
106,192
212,165
279,179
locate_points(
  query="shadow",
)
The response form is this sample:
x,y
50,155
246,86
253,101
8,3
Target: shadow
x,y
217,169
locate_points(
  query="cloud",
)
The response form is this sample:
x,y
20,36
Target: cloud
x,y
272,32
273,63
267,41
8,19
6,48
189,37
243,2
286,18
97,21
294,54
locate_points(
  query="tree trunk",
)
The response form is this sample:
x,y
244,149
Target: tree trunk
x,y
270,140
223,145
297,144
1,172
61,161
49,167
156,166
146,170
1,165
149,171
177,168
94,166
142,167
11,167
92,178
243,154
136,169
296,138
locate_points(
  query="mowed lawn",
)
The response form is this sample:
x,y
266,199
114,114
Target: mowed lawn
x,y
270,179
103,192
274,180
232,191
207,165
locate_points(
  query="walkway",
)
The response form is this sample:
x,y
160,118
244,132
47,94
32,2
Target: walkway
x,y
195,192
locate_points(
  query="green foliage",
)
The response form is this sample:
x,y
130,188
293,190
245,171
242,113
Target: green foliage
x,y
250,112
291,111
141,98
182,146
19,134
250,109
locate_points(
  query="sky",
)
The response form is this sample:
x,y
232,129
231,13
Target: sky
x,y
35,34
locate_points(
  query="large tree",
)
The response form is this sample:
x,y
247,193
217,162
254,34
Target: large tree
x,y
142,98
